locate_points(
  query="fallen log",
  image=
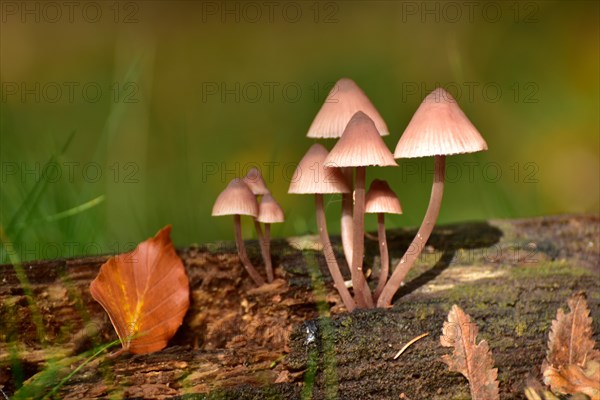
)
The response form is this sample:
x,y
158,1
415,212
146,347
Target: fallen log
x,y
293,339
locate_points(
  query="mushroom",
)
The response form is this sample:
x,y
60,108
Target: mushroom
x,y
269,212
257,185
381,199
359,147
255,182
313,176
438,128
342,102
237,199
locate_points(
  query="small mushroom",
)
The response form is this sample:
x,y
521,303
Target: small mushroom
x,y
381,200
360,146
237,199
257,185
438,128
312,176
255,182
342,102
269,212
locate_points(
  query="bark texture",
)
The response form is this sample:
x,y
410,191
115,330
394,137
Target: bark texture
x,y
292,339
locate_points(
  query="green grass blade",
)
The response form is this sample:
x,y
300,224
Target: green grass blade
x,y
23,214
76,370
75,210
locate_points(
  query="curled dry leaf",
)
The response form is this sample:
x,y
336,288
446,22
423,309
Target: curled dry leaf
x,y
572,364
573,379
473,360
145,293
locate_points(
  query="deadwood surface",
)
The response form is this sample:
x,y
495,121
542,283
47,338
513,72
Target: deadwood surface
x,y
292,338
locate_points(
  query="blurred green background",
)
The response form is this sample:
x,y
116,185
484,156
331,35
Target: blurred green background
x,y
145,110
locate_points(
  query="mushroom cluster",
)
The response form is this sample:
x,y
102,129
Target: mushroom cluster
x,y
243,197
438,128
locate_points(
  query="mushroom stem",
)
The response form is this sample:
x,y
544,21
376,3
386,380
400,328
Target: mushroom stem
x,y
418,243
332,264
362,292
242,252
383,254
347,218
265,247
268,262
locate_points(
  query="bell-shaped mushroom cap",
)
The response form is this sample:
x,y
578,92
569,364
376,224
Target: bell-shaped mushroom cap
x,y
439,127
381,199
360,145
269,211
236,199
343,101
255,182
313,175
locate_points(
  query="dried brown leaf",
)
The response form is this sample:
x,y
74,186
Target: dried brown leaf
x,y
570,340
473,360
145,293
574,379
572,364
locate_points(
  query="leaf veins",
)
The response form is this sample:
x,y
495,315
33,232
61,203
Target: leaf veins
x,y
145,293
473,360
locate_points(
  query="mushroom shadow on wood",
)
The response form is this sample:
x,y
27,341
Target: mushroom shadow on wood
x,y
447,240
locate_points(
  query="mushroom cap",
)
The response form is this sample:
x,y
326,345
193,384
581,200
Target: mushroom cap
x,y
439,127
381,199
236,199
255,182
342,102
269,211
360,145
314,176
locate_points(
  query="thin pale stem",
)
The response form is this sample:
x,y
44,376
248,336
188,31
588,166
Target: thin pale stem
x,y
265,247
268,262
418,243
383,255
239,241
347,221
362,293
332,264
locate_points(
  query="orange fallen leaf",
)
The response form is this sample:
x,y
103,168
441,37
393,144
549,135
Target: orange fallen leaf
x,y
472,360
572,364
145,293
